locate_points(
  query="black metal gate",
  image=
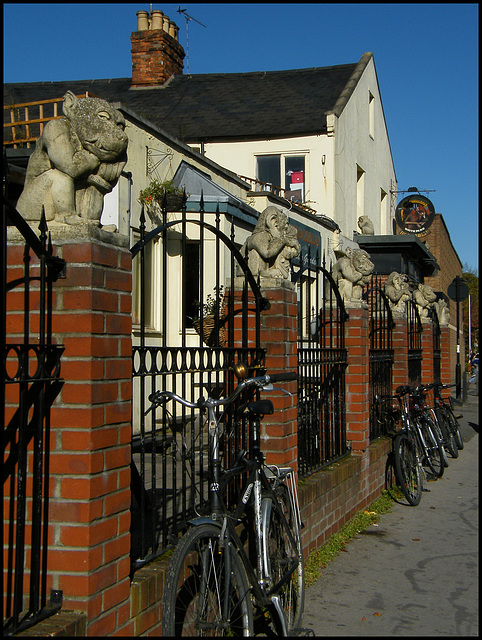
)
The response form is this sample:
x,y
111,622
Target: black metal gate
x,y
381,355
414,340
176,265
31,367
322,360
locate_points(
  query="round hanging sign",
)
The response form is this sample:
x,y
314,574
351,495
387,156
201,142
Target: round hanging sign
x,y
414,215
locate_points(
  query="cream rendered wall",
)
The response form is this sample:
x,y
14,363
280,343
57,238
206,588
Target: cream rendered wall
x,y
355,146
240,157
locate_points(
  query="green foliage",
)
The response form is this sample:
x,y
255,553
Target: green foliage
x,y
319,558
471,278
155,190
214,304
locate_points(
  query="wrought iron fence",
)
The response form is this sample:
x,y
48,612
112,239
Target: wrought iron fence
x,y
414,339
185,266
436,345
381,355
31,364
322,360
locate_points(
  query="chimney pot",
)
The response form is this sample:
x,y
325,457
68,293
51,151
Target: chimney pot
x,y
142,21
172,29
165,23
156,19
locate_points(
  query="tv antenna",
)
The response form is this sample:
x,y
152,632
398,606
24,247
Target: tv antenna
x,y
188,19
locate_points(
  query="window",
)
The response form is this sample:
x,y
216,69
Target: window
x,y
360,191
269,170
284,171
371,115
383,211
149,290
191,282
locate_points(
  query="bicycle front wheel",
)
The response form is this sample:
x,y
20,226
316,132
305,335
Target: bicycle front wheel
x,y
206,592
407,469
282,552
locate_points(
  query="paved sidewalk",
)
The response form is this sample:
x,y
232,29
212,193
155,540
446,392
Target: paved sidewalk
x,y
416,572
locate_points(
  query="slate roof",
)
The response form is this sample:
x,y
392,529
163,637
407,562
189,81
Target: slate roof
x,y
221,106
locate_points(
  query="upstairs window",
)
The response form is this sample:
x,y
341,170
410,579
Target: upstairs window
x,y
283,171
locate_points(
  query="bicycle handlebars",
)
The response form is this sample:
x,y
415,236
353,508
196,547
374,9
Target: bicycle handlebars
x,y
159,397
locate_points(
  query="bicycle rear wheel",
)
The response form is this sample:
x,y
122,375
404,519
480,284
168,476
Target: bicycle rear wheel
x,y
407,469
206,592
454,427
449,437
433,448
281,553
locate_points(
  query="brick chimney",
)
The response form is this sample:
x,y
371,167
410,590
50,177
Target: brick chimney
x,y
156,52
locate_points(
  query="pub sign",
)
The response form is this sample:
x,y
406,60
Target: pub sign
x,y
414,215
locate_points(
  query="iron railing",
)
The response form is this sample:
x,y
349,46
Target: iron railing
x,y
31,364
322,360
381,355
175,352
414,341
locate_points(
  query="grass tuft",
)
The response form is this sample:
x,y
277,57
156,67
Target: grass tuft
x,y
319,558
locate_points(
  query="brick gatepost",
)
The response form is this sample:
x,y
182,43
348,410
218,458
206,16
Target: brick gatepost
x,y
400,349
89,511
357,378
279,334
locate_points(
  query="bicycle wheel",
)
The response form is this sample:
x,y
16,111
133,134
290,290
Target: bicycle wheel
x,y
206,592
407,469
448,436
438,435
281,553
455,428
433,448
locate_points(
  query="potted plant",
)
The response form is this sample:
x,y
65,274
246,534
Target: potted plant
x,y
213,308
154,193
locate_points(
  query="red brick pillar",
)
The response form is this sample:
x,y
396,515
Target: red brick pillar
x,y
400,349
427,351
357,379
279,338
91,431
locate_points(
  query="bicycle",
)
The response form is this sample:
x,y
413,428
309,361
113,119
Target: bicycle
x,y
447,409
441,419
429,417
214,586
408,468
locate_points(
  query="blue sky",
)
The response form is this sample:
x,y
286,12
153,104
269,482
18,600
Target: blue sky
x,y
426,56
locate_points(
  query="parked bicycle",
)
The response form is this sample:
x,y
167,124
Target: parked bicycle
x,y
427,416
447,411
408,468
219,583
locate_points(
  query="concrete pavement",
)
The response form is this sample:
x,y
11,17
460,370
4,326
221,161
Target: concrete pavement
x,y
416,572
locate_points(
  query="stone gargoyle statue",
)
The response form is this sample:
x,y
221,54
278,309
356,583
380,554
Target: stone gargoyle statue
x,y
424,296
272,245
352,272
77,160
397,290
366,226
443,311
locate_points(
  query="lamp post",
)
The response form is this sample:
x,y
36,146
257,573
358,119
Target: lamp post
x,y
458,291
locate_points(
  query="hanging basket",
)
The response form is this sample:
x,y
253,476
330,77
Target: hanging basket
x,y
209,331
173,202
